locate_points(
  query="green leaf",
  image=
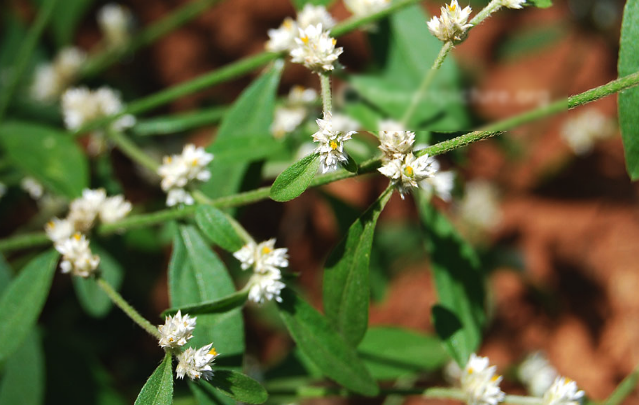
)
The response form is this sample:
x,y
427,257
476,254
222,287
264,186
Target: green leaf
x,y
158,389
459,316
629,99
219,228
540,3
23,378
390,353
346,277
47,154
299,4
196,276
5,274
179,122
92,298
248,119
225,304
292,182
235,385
65,23
324,346
22,301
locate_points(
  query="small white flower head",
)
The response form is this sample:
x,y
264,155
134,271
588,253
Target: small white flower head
x,y
563,392
266,286
81,106
407,172
344,123
583,131
114,209
452,24
178,171
59,229
177,196
396,144
441,183
537,374
282,38
263,257
286,120
301,96
176,331
480,205
313,15
52,79
513,3
84,210
480,383
115,22
77,257
315,49
33,187
331,143
363,8
196,364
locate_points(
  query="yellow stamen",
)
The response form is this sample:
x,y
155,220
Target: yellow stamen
x,y
567,381
452,7
169,159
77,236
305,39
470,370
51,224
266,250
334,41
194,162
409,171
495,378
333,145
213,351
287,23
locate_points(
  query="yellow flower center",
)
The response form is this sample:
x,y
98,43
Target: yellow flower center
x,y
77,236
333,145
470,370
305,39
452,7
334,41
287,23
194,162
51,224
408,171
213,351
266,250
169,159
495,378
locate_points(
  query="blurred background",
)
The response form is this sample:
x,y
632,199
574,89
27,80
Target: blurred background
x,y
557,246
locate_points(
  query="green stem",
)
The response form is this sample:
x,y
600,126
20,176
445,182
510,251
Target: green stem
x,y
327,99
354,23
428,78
486,12
128,309
26,50
150,34
132,150
23,241
624,389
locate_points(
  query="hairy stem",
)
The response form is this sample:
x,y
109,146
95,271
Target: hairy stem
x,y
127,309
26,50
486,12
133,151
327,99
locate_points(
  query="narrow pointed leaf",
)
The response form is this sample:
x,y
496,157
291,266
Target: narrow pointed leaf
x,y
346,276
92,298
219,228
235,385
158,389
23,374
459,316
22,301
292,182
629,99
225,304
324,346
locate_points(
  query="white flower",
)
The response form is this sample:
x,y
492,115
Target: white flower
x,y
51,80
178,171
480,383
177,196
115,22
390,125
396,144
33,187
452,24
537,373
313,15
301,96
176,331
266,286
363,8
282,38
83,211
114,209
331,143
196,364
59,229
315,49
406,173
344,123
583,131
77,257
480,205
262,256
441,183
513,3
563,392
286,120
81,106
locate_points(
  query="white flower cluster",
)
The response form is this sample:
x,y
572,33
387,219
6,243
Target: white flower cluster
x,y
266,260
315,49
194,363
115,22
81,106
32,187
480,383
283,38
583,131
563,392
537,373
291,115
331,143
178,171
480,205
452,24
513,3
363,8
399,163
68,234
52,79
